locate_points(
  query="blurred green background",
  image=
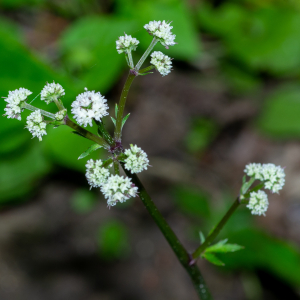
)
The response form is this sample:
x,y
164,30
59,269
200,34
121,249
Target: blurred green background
x,y
232,98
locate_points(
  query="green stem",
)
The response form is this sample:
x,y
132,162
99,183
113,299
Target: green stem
x,y
86,133
210,238
116,168
33,108
130,59
104,133
58,103
118,129
181,253
145,55
145,70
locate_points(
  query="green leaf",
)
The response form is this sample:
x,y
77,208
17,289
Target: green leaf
x,y
219,247
202,237
83,201
175,11
113,120
113,240
93,57
280,114
125,119
192,201
89,151
116,110
212,259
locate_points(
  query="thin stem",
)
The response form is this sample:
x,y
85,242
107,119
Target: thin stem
x,y
33,108
130,59
146,69
181,253
116,168
58,103
216,230
118,129
145,55
86,133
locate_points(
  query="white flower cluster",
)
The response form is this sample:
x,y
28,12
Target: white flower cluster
x,y
36,125
96,174
162,31
126,43
136,160
118,189
14,101
88,106
272,176
52,91
161,62
258,203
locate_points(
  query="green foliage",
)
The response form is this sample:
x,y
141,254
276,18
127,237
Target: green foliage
x,y
254,37
113,240
201,134
280,115
222,247
212,259
265,252
89,151
143,12
83,201
93,57
19,174
59,146
192,201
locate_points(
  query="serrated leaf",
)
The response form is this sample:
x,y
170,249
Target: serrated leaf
x,y
212,259
125,119
113,120
223,248
89,151
202,237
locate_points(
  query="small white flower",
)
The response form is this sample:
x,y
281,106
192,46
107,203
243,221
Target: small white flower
x,y
137,159
162,31
88,106
118,189
255,170
273,176
126,43
161,62
59,116
258,203
52,91
14,100
36,125
96,174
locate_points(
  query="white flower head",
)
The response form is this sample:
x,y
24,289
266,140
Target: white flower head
x,y
59,116
36,125
118,189
14,101
273,176
52,91
258,203
96,174
126,43
137,159
161,62
88,106
162,31
255,170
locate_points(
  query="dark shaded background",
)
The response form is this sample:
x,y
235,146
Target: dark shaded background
x,y
232,98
